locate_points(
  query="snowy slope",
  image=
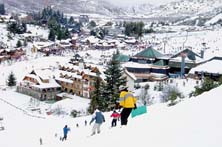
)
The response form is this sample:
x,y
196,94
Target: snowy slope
x,y
193,122
67,6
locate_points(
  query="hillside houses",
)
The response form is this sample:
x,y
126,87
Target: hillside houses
x,y
78,78
39,84
7,54
55,48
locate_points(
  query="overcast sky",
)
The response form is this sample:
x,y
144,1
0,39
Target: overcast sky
x,y
131,2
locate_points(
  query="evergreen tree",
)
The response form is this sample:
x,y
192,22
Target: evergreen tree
x,y
66,33
220,80
71,20
97,99
24,27
11,80
114,79
25,43
92,24
16,27
51,35
2,9
59,34
207,85
18,44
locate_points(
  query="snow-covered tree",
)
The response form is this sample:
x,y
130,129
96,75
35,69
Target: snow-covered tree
x,y
19,43
171,93
11,80
144,96
51,35
114,79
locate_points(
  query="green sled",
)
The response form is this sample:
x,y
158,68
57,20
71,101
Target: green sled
x,y
138,111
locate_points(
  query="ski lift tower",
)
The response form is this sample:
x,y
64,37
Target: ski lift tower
x,y
1,124
183,56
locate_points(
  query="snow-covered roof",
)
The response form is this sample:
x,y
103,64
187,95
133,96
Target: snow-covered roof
x,y
136,65
65,80
52,84
91,39
213,66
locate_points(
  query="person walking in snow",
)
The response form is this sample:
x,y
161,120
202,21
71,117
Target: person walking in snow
x,y
40,141
128,102
115,116
98,117
65,132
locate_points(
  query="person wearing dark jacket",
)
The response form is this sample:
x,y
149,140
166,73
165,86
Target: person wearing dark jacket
x,y
98,117
128,102
65,132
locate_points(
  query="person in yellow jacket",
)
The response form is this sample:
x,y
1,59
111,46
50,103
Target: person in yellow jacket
x,y
128,102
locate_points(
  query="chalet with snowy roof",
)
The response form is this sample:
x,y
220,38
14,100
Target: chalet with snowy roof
x,y
91,40
210,68
131,41
104,45
6,54
39,84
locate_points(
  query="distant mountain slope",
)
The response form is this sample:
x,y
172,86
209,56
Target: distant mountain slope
x,y
190,12
67,6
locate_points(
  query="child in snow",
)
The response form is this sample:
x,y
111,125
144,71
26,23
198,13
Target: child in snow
x,y
99,119
115,116
65,132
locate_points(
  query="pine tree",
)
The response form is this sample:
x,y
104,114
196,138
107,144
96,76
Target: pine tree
x,y
2,9
114,79
97,99
51,35
18,44
71,20
11,80
25,43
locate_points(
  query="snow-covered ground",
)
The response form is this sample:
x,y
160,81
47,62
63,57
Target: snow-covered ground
x,y
174,41
193,122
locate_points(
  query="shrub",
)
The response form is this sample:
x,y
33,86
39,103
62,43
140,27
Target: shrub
x,y
75,113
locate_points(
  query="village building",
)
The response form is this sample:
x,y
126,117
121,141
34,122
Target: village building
x,y
39,84
186,59
210,68
148,65
11,54
78,78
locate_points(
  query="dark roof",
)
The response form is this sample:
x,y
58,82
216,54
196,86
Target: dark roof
x,y
190,54
149,53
